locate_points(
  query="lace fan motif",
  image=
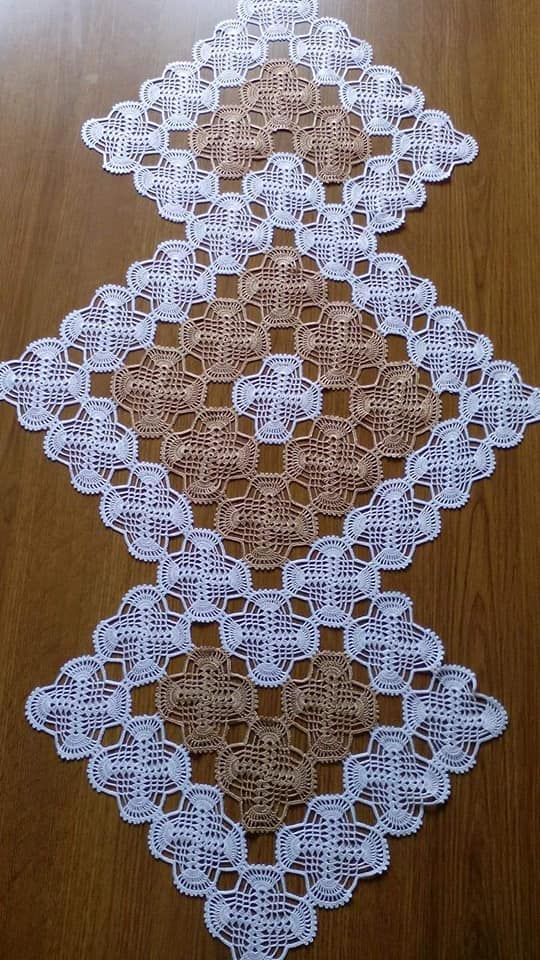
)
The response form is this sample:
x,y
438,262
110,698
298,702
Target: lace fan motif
x,y
233,185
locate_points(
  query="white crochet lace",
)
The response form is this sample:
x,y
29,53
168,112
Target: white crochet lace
x,y
331,849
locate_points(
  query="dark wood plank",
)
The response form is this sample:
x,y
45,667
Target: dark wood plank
x,y
77,882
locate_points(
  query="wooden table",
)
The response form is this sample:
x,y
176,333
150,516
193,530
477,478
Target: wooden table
x,y
77,882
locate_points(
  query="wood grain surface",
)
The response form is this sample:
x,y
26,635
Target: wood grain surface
x,y
77,882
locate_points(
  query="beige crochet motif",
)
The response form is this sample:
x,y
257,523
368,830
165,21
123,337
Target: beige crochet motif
x,y
282,287
329,706
341,345
281,95
323,136
268,522
231,142
332,144
206,698
332,465
265,773
209,454
157,391
337,458
223,340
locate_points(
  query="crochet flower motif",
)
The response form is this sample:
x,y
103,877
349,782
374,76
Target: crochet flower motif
x,y
501,403
332,144
268,521
42,382
277,398
336,242
329,50
214,54
202,576
260,910
396,408
280,95
143,636
282,287
146,511
198,840
229,233
341,345
285,189
205,699
180,94
119,769
176,185
265,774
108,329
210,453
393,524
394,296
124,137
450,463
158,391
395,780
381,99
453,718
329,706
331,579
333,466
231,141
92,444
269,637
383,194
332,850
223,340
171,282
391,646
448,350
79,707
434,146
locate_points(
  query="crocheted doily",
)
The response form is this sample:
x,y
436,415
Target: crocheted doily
x,y
263,144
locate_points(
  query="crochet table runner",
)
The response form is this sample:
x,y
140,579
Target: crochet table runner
x,y
283,151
